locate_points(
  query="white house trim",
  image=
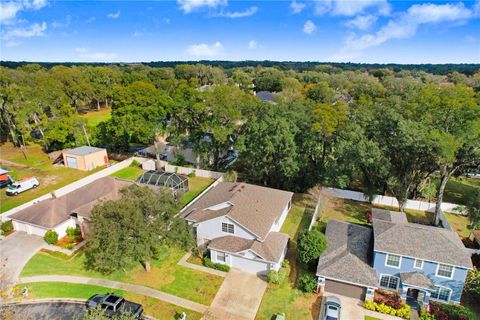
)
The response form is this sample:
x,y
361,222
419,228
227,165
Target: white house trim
x,y
445,264
389,275
399,261
415,263
440,300
433,261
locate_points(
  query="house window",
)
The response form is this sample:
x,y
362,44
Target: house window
x,y
442,294
393,261
221,256
445,271
227,227
389,282
418,264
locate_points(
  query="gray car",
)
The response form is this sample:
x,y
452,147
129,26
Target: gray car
x,y
332,308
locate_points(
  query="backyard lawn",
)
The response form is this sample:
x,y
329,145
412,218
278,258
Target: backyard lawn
x,y
196,185
153,307
285,297
165,274
95,117
39,165
460,190
129,173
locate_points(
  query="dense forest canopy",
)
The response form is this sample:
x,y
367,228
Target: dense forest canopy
x,y
388,127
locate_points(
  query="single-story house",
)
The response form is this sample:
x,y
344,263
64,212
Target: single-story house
x,y
239,224
85,158
69,210
419,262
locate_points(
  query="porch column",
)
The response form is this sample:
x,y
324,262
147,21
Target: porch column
x,y
370,294
426,301
321,285
403,293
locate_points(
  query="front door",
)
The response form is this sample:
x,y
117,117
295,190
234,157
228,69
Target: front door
x,y
412,298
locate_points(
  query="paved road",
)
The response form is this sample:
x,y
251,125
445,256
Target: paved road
x,y
17,249
47,310
124,286
238,298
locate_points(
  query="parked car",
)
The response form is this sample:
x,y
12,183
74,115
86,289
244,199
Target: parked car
x,y
332,308
115,305
22,185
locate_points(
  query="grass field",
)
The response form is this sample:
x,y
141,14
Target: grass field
x,y
152,307
285,297
460,190
165,274
39,165
196,185
129,173
95,117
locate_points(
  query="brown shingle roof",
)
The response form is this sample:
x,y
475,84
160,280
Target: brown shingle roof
x,y
254,207
416,279
269,250
50,213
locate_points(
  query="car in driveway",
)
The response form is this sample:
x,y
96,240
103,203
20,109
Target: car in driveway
x,y
332,307
115,305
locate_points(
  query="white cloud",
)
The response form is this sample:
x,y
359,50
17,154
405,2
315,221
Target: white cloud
x,y
84,53
362,22
10,44
204,50
62,24
90,20
297,7
309,27
239,14
407,23
114,15
137,34
34,30
252,44
10,9
351,8
188,6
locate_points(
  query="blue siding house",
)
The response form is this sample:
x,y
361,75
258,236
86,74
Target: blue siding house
x,y
421,263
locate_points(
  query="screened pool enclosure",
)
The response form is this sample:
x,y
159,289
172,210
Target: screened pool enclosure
x,y
172,181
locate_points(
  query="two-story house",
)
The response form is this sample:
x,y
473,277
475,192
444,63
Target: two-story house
x,y
419,262
239,223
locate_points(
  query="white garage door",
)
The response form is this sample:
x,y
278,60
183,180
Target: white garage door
x,y
20,226
249,265
72,162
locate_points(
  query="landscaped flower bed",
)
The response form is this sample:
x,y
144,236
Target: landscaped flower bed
x,y
73,237
402,312
388,298
443,311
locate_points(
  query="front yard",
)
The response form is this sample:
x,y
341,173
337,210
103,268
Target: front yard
x,y
153,307
165,274
285,297
36,164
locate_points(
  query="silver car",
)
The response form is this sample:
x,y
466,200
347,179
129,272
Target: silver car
x,y
332,308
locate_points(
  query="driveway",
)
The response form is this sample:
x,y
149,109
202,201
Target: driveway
x,y
238,298
16,250
46,310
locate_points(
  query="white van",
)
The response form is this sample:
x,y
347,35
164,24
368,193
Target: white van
x,y
22,185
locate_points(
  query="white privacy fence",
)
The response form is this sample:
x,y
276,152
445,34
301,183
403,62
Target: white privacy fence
x,y
150,165
390,201
73,186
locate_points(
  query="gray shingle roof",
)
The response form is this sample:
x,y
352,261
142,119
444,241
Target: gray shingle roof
x,y
269,250
416,279
254,207
83,151
348,255
50,213
420,241
387,215
266,96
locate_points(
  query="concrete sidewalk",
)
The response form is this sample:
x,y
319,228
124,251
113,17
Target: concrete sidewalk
x,y
123,286
183,262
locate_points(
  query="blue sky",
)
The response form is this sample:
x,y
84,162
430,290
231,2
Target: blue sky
x,y
325,30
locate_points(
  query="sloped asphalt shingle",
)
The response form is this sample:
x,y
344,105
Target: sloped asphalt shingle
x,y
348,255
270,250
254,207
420,241
416,279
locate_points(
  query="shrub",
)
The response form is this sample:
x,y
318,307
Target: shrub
x,y
388,298
424,315
444,311
7,226
135,164
69,246
310,246
222,267
283,273
307,283
51,237
370,305
230,176
404,312
71,231
273,277
208,263
192,174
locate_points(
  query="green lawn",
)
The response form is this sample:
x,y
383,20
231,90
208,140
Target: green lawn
x,y
459,224
165,274
153,307
95,117
460,190
38,165
130,173
371,318
284,297
196,185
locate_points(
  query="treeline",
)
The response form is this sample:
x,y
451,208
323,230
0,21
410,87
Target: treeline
x,y
388,130
438,69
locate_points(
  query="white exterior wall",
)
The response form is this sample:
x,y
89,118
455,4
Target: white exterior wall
x,y
244,264
279,223
61,229
212,229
